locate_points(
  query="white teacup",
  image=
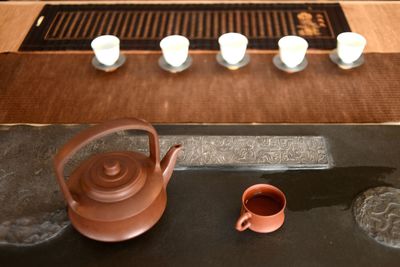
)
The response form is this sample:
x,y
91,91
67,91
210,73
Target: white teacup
x,y
233,47
350,46
292,50
106,49
175,49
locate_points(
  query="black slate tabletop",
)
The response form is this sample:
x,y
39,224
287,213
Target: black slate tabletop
x,y
197,228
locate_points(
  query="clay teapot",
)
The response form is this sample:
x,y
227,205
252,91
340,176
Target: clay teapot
x,y
116,195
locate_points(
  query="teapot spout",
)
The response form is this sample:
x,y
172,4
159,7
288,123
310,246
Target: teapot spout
x,y
168,163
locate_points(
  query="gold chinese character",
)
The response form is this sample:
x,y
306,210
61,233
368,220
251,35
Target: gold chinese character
x,y
307,27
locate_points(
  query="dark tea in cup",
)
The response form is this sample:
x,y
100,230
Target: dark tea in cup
x,y
263,207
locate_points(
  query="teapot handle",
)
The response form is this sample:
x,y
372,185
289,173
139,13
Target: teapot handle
x,y
98,131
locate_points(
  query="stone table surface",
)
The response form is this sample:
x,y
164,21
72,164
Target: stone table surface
x,y
197,227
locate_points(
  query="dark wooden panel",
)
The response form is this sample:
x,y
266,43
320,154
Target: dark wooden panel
x,y
141,26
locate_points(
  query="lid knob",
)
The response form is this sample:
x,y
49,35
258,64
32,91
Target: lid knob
x,y
111,167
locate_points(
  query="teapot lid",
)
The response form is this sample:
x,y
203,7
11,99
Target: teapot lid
x,y
112,177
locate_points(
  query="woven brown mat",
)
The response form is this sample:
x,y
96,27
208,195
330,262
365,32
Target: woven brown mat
x,y
65,88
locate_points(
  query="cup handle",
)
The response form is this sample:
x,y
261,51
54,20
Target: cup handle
x,y
243,222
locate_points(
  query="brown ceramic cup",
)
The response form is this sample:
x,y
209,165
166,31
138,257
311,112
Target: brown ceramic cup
x,y
263,207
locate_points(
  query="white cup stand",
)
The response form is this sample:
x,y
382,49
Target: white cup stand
x,y
107,53
232,53
175,50
349,51
291,57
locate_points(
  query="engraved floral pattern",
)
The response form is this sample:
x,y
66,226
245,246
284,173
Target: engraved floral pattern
x,y
377,212
250,151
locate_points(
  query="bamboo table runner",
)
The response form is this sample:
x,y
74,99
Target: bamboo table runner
x,y
64,88
50,88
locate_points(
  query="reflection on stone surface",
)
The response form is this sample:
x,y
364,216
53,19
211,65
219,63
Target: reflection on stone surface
x,y
32,208
307,190
377,212
32,230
